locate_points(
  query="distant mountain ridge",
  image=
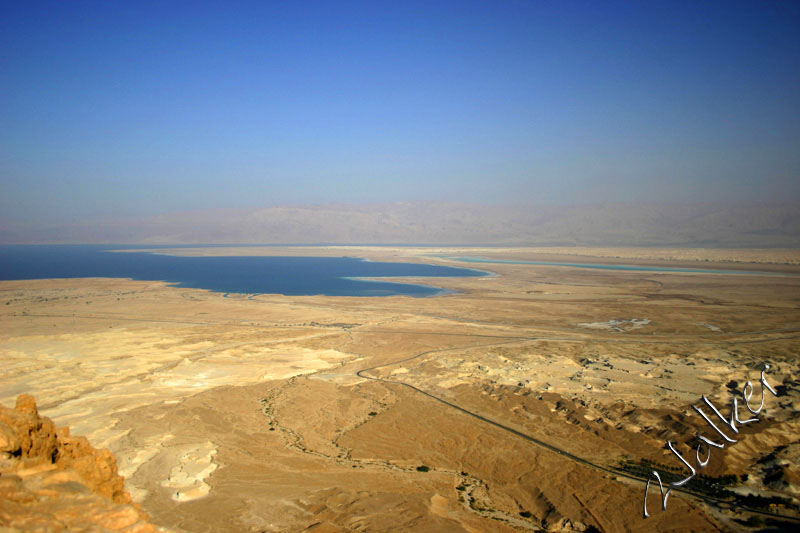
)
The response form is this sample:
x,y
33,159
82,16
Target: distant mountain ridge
x,y
443,223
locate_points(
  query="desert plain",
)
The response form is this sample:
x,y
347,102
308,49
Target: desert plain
x,y
537,397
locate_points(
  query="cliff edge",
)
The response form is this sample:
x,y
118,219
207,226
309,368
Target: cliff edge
x,y
52,481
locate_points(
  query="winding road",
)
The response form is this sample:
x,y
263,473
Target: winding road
x,y
707,499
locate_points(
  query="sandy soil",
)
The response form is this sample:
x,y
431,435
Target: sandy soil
x,y
248,413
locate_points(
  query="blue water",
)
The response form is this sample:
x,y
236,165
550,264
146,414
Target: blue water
x,y
330,276
612,267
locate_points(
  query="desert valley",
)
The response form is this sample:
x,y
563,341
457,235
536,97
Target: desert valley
x,y
537,397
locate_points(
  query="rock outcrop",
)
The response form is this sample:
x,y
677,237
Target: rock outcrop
x,y
51,481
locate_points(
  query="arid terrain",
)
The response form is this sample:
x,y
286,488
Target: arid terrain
x,y
536,398
598,224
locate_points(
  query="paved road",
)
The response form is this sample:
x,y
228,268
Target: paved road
x,y
363,374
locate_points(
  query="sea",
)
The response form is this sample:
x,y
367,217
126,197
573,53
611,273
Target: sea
x,y
630,268
294,276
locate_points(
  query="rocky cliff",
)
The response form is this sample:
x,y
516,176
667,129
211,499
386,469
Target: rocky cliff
x,y
52,481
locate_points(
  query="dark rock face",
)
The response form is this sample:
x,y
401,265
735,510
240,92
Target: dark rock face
x,y
51,481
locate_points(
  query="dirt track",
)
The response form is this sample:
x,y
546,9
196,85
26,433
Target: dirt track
x,y
170,378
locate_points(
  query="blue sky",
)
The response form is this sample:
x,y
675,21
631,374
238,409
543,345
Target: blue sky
x,y
138,108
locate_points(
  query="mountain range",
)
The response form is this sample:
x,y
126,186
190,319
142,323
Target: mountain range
x,y
701,224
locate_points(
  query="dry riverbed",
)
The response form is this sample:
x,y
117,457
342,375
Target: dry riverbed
x,y
247,413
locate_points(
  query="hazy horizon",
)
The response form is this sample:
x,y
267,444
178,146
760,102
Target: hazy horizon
x,y
135,111
437,223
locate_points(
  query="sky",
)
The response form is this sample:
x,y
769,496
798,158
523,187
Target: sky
x,y
140,108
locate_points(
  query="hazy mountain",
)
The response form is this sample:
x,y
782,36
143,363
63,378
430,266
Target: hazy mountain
x,y
441,223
